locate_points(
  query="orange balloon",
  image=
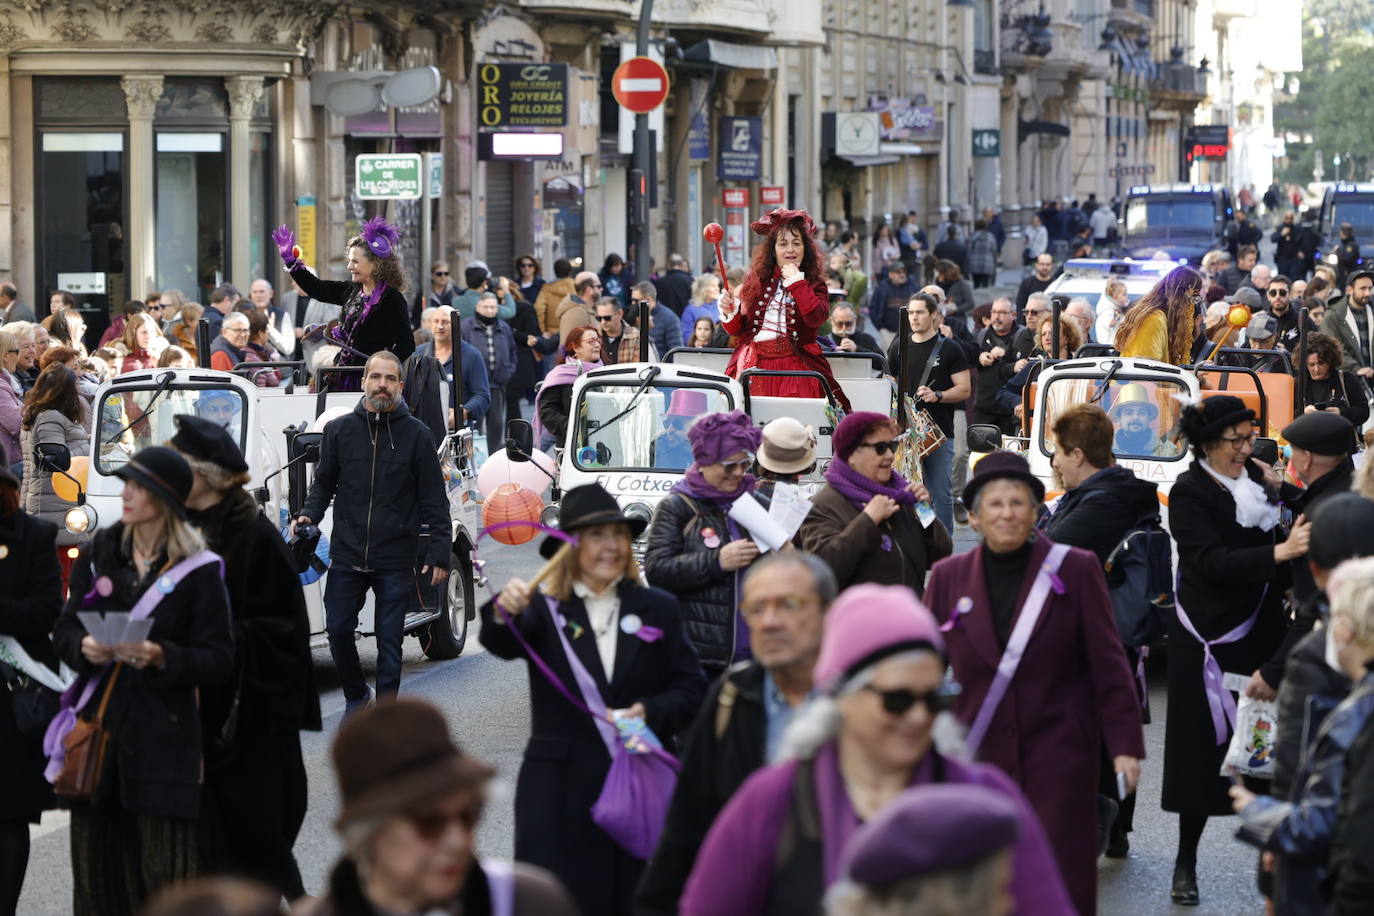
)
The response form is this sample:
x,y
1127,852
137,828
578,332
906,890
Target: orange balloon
x,y
64,488
513,503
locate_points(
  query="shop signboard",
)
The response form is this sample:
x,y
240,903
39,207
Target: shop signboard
x,y
740,153
306,229
522,94
388,177
902,120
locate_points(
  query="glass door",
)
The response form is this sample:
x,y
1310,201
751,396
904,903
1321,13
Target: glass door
x,y
81,190
192,216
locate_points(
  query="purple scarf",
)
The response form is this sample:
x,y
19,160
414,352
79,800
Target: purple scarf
x,y
694,485
859,489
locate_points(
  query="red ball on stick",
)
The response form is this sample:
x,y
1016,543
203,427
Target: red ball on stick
x,y
513,503
713,233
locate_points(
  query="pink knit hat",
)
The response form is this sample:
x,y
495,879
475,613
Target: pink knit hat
x,y
868,623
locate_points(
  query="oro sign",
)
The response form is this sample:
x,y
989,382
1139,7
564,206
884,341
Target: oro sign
x,y
640,84
382,177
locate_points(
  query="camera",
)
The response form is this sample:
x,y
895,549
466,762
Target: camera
x,y
304,544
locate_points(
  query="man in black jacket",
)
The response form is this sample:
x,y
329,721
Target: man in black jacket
x,y
1242,232
675,285
380,467
998,352
1289,253
745,713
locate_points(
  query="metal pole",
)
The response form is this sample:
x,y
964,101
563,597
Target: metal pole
x,y
639,191
426,218
642,318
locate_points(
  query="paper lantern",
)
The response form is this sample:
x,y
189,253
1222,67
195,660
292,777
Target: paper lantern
x,y
499,469
513,503
66,489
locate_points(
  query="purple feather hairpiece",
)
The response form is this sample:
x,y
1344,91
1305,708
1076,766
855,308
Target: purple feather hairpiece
x,y
380,237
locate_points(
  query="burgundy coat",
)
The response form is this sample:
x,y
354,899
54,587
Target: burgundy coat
x,y
1071,694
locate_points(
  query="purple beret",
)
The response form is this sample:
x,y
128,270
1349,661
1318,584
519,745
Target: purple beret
x,y
931,828
852,430
717,436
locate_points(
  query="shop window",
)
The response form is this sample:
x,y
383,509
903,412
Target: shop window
x,y
81,223
259,191
192,197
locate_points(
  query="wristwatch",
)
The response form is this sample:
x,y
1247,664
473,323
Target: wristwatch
x,y
939,397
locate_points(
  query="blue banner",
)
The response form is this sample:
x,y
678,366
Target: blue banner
x,y
740,153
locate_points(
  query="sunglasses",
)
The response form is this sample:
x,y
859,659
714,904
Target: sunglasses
x,y
1273,293
842,324
441,273
604,317
431,825
740,466
898,702
526,264
882,448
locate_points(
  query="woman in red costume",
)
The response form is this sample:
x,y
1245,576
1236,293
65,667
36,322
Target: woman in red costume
x,y
779,307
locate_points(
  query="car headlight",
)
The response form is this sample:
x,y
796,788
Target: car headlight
x,y
639,511
79,519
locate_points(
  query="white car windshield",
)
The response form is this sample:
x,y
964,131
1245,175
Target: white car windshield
x,y
131,419
618,430
1144,413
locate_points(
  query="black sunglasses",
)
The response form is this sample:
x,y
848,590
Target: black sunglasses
x,y
441,273
604,317
898,702
1273,292
882,448
431,825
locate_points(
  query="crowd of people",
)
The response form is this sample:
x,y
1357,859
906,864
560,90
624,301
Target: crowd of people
x,y
864,721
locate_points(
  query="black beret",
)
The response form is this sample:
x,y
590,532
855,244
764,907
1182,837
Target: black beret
x,y
1342,529
1322,433
206,441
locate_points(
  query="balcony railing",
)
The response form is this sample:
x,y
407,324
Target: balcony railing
x,y
1175,78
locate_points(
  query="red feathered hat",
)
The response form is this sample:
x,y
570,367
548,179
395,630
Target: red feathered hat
x,y
780,217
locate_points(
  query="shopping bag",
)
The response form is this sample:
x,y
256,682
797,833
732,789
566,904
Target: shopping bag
x,y
633,803
1252,743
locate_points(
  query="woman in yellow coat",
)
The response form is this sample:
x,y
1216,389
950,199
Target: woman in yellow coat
x,y
1162,323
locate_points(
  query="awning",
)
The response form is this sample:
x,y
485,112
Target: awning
x,y
729,54
865,161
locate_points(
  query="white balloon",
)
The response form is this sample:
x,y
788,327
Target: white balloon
x,y
499,469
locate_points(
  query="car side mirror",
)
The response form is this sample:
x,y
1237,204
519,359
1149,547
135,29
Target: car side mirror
x,y
984,437
53,456
1267,451
519,440
307,446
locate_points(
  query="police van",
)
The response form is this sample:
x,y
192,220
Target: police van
x,y
1184,220
1347,202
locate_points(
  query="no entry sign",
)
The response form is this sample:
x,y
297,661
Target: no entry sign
x,y
640,84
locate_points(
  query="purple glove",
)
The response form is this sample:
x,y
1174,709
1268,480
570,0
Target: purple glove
x,y
286,247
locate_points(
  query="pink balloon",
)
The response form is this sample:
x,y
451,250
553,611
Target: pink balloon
x,y
499,469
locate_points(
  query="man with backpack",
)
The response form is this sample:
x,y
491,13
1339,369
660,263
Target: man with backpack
x,y
1102,504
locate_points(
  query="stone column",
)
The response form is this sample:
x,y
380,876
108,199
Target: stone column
x,y
141,94
244,93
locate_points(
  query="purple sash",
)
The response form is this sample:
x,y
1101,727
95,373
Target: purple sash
x,y
1219,699
634,798
1045,580
75,697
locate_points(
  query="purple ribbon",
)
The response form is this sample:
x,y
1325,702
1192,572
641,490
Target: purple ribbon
x,y
586,684
649,634
1219,699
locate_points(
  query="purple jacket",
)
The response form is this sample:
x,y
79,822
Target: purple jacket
x,y
733,872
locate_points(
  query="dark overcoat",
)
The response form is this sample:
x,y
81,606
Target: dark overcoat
x,y
30,597
1071,695
154,764
255,795
566,760
1224,570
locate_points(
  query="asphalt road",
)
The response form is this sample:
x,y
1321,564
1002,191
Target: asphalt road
x,y
486,701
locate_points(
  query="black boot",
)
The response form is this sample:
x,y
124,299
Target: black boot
x,y
1184,890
